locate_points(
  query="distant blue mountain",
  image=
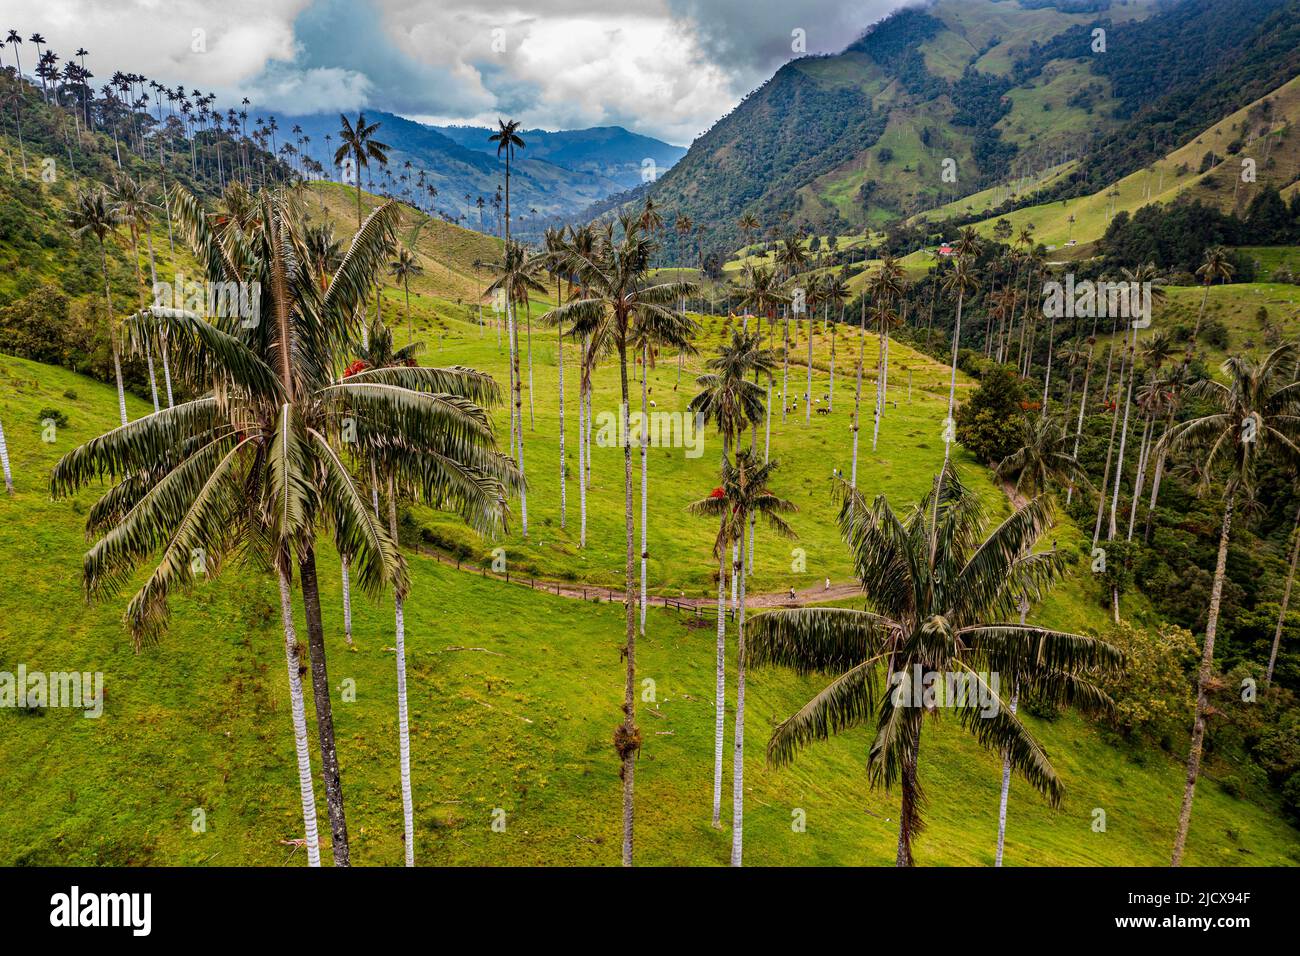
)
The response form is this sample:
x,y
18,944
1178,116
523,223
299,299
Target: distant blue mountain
x,y
609,151
556,175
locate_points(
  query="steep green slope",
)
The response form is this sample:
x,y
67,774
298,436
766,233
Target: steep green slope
x,y
965,81
1207,167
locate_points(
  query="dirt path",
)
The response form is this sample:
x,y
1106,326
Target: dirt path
x,y
591,592
818,594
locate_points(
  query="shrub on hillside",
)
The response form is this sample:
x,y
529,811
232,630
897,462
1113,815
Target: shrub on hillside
x,y
1153,694
988,423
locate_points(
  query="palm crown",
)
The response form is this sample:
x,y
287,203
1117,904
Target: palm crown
x,y
937,597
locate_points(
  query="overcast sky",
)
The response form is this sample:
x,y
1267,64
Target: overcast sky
x,y
667,68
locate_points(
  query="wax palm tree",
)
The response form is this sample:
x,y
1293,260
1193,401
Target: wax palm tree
x,y
961,281
887,286
1216,264
516,278
324,251
1177,380
252,465
748,225
93,215
507,140
814,298
1255,418
580,252
732,403
791,259
938,593
835,292
132,208
1154,397
645,340
762,293
1281,614
358,143
404,268
746,497
1043,457
556,256
614,297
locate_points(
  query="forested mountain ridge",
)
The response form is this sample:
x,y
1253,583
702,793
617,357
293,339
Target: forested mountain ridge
x,y
938,102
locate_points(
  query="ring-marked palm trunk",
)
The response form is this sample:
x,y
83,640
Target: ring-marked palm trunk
x,y
720,690
320,684
1006,763
306,790
582,462
629,742
1202,684
645,475
857,398
1281,614
807,400
403,724
112,335
347,602
4,462
738,762
559,359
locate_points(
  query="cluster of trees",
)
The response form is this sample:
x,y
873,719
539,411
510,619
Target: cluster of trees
x,y
1175,236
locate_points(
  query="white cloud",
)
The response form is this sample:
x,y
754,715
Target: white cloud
x,y
668,68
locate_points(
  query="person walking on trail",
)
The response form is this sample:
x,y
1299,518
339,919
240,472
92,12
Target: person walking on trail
x,y
828,585
792,597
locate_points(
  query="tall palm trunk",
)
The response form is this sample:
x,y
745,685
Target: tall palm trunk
x,y
785,364
1083,405
559,360
909,815
1281,614
528,321
320,684
112,335
1202,681
830,396
1047,378
347,602
738,762
952,383
306,789
1123,436
645,477
403,725
628,739
582,459
1110,450
808,398
720,690
1155,479
4,462
513,334
857,397
162,342
1144,452
1006,761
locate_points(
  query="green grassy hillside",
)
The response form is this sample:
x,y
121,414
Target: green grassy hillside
x,y
514,696
1271,140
